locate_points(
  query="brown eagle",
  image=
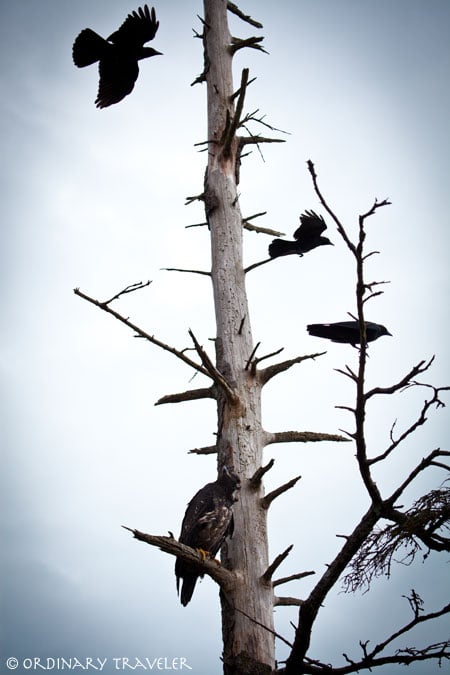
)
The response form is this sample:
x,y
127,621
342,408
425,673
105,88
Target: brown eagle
x,y
118,55
206,523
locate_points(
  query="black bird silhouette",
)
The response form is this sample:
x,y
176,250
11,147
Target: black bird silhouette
x,y
118,56
347,331
307,237
206,523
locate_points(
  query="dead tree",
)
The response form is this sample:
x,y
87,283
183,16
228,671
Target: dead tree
x,y
246,576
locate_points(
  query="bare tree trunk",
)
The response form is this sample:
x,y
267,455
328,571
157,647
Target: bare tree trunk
x,y
247,610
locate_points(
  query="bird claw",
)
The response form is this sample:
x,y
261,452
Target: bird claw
x,y
203,554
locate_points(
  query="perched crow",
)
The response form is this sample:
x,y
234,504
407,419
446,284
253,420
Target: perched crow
x,y
347,331
206,523
307,237
118,56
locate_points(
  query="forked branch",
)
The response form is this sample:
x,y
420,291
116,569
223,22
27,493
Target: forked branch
x,y
267,373
267,576
142,333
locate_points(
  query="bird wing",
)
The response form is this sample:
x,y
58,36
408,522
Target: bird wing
x,y
139,27
342,331
207,519
116,80
199,510
311,225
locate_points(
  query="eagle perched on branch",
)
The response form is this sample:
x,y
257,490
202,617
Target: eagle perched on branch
x,y
118,55
207,522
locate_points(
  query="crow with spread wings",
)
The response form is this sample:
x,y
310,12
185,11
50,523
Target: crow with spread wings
x,y
118,55
306,237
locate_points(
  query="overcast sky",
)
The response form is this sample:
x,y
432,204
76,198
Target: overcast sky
x,y
95,199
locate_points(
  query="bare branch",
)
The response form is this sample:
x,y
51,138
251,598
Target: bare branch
x,y
263,358
207,450
424,464
190,395
291,577
268,499
212,567
267,373
287,601
311,605
376,205
251,117
302,437
258,264
262,230
213,372
348,372
416,605
143,334
258,623
419,368
238,91
257,139
267,576
245,17
251,42
230,131
205,224
177,269
421,419
331,213
129,289
255,480
195,198
250,358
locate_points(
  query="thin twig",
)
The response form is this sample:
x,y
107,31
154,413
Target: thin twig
x,y
141,333
129,289
177,269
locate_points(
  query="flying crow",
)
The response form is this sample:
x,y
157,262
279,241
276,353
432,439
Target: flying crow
x,y
347,331
307,237
206,523
118,56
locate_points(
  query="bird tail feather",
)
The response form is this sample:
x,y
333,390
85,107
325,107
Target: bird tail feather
x,y
187,589
88,48
318,330
280,247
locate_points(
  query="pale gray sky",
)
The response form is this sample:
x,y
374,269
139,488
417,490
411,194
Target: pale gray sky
x,y
95,199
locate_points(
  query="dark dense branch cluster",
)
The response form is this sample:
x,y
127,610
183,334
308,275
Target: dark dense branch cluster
x,y
421,528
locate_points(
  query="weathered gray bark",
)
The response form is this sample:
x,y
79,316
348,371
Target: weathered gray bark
x,y
248,642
